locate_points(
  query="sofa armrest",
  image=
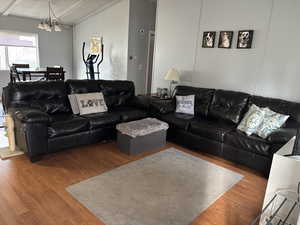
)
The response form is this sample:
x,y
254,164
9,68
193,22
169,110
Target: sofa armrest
x,y
31,131
282,135
296,150
162,106
26,115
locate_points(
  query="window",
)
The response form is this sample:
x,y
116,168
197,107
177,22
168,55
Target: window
x,y
18,48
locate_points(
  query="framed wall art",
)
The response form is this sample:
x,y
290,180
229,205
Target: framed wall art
x,y
245,38
208,40
225,39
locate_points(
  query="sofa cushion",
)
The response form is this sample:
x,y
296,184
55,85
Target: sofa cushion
x,y
66,124
203,97
49,97
228,105
177,120
117,93
101,120
82,86
214,130
252,143
129,113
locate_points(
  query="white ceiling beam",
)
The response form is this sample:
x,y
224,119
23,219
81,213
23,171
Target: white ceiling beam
x,y
106,6
69,10
10,7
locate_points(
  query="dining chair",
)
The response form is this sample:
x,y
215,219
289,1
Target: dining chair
x,y
20,66
14,76
55,73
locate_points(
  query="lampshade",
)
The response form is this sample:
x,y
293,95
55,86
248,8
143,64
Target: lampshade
x,y
47,27
172,75
41,26
57,28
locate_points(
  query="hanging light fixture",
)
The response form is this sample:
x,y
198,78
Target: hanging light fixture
x,y
41,26
57,27
51,23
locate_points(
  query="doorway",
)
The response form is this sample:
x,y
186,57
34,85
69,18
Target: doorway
x,y
141,37
150,55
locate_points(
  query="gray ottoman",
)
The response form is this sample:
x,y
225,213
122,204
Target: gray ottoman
x,y
142,135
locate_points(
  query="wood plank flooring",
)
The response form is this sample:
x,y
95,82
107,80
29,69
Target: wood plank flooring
x,y
34,194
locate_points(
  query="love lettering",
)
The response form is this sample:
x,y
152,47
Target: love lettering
x,y
91,103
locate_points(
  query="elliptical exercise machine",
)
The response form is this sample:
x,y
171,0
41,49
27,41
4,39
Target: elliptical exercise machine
x,y
91,60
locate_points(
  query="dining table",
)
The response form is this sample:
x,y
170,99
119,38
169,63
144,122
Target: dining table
x,y
33,72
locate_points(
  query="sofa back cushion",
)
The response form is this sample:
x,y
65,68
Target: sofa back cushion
x,y
203,98
50,97
278,105
228,105
117,93
82,86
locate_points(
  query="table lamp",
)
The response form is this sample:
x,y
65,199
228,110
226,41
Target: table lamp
x,y
173,76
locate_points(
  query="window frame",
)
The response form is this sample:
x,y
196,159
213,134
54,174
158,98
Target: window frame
x,y
20,34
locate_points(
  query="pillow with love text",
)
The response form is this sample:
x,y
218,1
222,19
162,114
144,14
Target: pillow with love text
x,y
91,103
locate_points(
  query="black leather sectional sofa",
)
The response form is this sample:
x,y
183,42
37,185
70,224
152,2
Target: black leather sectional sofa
x,y
44,122
217,115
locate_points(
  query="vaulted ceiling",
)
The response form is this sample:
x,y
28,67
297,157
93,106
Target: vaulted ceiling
x,y
68,11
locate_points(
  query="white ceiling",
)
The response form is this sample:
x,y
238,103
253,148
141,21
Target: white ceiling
x,y
68,11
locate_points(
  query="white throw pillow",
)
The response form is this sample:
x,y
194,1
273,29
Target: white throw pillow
x,y
252,120
74,104
185,104
271,122
91,103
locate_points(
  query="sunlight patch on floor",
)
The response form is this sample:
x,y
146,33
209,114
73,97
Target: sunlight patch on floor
x,y
3,139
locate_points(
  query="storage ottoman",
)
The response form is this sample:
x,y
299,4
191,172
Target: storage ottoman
x,y
142,135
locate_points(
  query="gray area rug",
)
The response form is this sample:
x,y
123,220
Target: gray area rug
x,y
167,188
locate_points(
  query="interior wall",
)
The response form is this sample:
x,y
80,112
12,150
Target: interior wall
x,y
112,24
177,24
141,20
55,48
270,68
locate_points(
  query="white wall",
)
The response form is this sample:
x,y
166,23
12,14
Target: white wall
x,y
271,68
55,48
142,16
176,36
112,24
281,66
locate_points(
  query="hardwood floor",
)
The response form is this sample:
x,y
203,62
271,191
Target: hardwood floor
x,y
34,194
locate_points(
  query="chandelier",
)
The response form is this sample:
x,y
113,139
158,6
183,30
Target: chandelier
x,y
51,23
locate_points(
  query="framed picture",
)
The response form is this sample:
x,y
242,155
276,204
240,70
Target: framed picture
x,y
208,40
95,45
225,39
245,38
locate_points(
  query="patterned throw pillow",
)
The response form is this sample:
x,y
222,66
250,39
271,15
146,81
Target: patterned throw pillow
x,y
91,103
252,120
271,122
185,104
